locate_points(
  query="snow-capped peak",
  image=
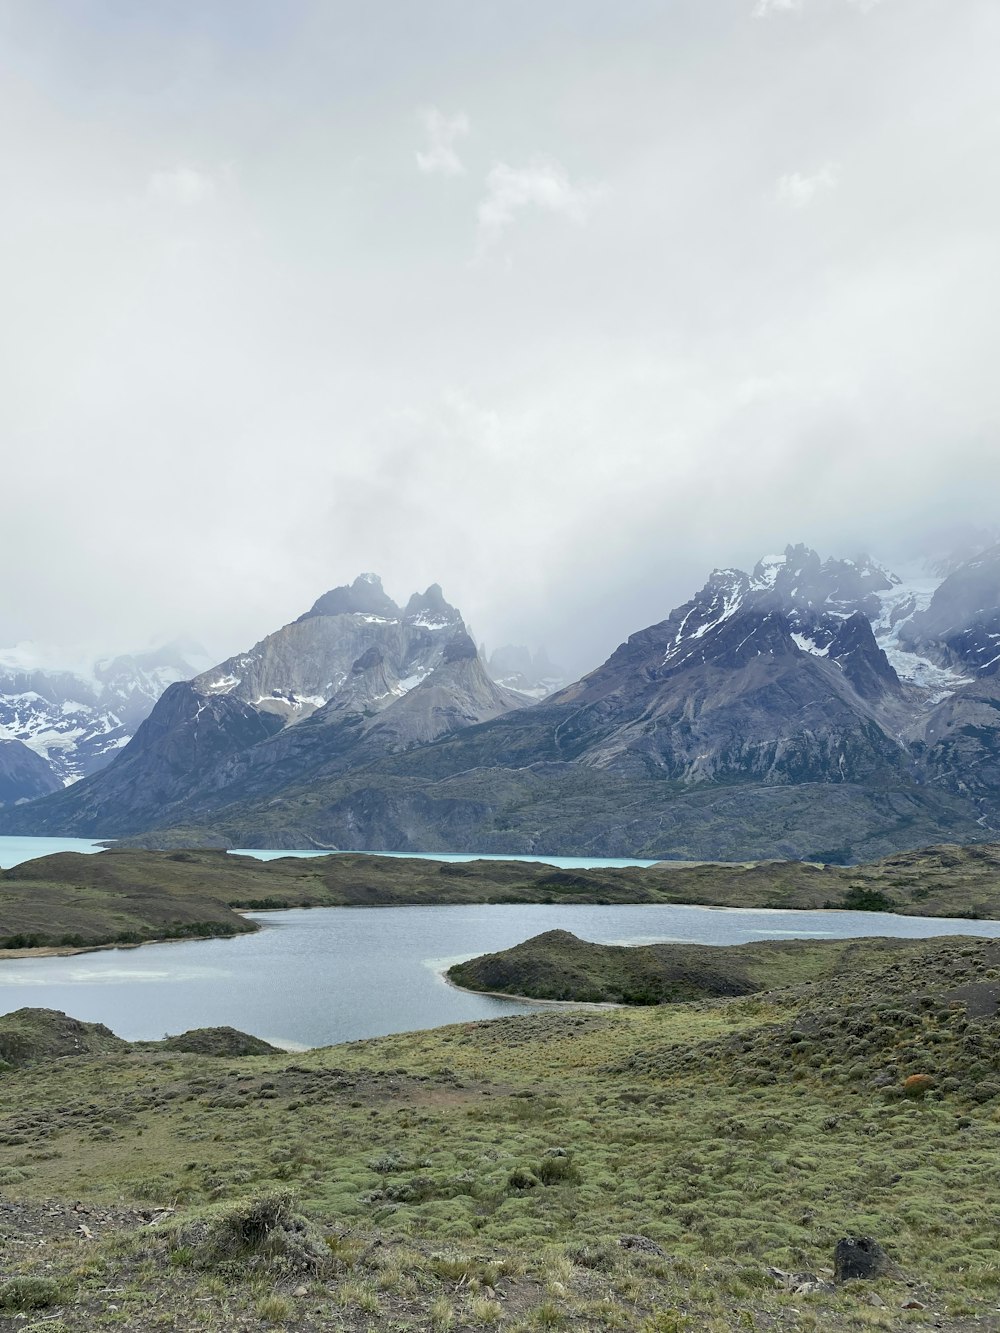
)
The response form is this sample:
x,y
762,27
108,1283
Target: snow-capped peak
x,y
766,571
76,711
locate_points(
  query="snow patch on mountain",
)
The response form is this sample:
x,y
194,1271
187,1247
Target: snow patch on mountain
x,y
76,711
810,645
909,596
817,600
425,622
223,684
411,682
766,573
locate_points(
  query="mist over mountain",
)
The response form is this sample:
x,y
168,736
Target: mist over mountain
x,y
529,673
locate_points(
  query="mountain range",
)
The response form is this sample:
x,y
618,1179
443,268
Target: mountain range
x,y
60,723
807,708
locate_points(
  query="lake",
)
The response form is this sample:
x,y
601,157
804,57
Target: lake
x,y
312,978
15,850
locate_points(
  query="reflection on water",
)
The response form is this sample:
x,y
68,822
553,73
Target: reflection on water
x,y
311,978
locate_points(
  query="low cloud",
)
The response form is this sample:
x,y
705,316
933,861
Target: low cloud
x,y
799,191
183,186
542,184
764,8
443,131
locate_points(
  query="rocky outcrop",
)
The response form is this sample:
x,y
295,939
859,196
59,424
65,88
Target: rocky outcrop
x,y
31,1036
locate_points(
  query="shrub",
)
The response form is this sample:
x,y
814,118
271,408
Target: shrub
x,y
484,1311
666,1321
557,1171
417,1190
917,1085
28,1293
386,1164
442,1315
596,1254
522,1179
265,1228
858,898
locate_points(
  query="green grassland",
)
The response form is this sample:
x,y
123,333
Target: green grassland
x,y
482,1175
125,895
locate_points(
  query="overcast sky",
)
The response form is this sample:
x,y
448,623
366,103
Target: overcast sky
x,y
558,303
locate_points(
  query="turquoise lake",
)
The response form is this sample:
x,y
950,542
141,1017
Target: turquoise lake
x,y
315,977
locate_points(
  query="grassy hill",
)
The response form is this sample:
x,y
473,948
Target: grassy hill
x,y
497,1174
558,966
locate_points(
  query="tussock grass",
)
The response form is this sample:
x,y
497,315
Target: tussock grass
x,y
733,1134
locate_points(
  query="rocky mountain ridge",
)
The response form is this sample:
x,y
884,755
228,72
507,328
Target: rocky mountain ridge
x,y
353,677
806,708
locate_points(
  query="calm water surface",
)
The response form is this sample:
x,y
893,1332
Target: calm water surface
x,y
311,978
15,850
562,862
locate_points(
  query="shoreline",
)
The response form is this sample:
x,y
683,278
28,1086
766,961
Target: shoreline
x,y
70,950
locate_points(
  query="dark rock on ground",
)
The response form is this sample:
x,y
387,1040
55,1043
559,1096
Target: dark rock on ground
x,y
861,1257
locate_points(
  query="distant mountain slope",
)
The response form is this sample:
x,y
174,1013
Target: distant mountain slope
x,y
808,708
78,717
23,774
356,677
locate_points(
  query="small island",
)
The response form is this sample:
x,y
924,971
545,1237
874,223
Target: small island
x,y
558,966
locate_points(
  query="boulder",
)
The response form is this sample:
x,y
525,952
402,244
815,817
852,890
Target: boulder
x,y
860,1257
